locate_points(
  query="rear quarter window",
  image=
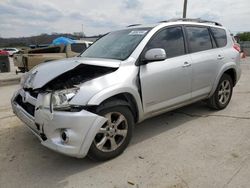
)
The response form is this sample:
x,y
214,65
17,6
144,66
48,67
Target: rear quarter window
x,y
219,36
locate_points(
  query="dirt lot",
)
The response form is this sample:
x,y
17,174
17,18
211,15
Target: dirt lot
x,y
189,147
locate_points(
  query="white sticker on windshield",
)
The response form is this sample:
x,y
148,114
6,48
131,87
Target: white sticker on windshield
x,y
139,32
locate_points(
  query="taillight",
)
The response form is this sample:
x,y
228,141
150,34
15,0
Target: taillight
x,y
237,47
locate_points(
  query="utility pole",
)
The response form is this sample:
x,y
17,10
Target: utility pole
x,y
82,30
184,9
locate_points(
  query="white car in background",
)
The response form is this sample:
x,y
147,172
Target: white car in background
x,y
11,51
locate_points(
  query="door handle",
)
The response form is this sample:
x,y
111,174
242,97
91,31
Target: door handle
x,y
220,57
186,64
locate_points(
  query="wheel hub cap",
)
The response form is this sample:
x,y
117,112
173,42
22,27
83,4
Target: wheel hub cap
x,y
111,131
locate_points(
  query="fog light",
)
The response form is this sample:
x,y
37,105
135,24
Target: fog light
x,y
64,136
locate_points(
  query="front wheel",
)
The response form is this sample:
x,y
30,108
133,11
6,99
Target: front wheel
x,y
114,136
223,93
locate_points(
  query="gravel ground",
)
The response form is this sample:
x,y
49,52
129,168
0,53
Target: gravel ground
x,y
189,147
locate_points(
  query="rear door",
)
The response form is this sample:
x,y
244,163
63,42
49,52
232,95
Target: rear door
x,y
166,83
220,37
205,59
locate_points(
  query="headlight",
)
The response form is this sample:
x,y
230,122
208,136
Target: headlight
x,y
60,99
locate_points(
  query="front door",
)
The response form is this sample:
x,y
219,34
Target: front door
x,y
166,83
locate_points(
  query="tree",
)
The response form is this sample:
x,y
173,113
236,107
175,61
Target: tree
x,y
244,36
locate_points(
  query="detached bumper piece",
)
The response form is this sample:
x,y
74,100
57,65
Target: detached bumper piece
x,y
29,108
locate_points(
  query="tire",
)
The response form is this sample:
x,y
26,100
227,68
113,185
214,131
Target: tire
x,y
223,93
110,142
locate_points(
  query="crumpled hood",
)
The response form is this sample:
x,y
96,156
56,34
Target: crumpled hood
x,y
45,72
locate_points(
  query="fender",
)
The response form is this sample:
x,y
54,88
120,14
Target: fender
x,y
98,98
224,68
98,123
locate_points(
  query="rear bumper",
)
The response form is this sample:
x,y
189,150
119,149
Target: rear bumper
x,y
81,128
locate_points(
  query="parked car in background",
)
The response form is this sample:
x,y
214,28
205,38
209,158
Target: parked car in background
x,y
11,51
3,52
88,105
28,59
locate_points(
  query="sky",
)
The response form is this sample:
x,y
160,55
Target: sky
x,y
26,18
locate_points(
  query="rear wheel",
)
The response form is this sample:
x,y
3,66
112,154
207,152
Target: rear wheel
x,y
223,93
114,136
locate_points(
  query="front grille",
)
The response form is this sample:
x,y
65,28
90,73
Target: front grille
x,y
29,108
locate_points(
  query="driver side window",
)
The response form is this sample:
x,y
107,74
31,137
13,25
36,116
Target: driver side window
x,y
171,40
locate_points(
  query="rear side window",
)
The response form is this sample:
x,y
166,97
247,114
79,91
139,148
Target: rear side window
x,y
219,36
198,39
171,40
78,47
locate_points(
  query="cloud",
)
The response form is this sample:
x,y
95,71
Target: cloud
x,y
21,4
88,20
152,19
131,4
26,11
24,17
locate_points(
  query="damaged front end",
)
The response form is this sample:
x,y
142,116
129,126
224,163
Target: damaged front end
x,y
46,110
62,131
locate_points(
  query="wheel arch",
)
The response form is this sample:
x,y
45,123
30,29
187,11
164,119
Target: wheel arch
x,y
227,69
129,97
232,73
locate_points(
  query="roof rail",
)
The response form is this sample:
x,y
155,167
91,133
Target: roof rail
x,y
198,20
133,25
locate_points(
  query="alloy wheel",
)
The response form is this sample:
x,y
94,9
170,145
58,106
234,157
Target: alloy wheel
x,y
224,92
113,133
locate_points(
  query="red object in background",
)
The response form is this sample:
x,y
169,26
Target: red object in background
x,y
2,52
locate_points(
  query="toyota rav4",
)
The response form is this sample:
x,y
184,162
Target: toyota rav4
x,y
88,105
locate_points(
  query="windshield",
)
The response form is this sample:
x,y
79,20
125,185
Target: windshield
x,y
116,45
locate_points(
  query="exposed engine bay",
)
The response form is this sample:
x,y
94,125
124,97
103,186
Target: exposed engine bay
x,y
78,75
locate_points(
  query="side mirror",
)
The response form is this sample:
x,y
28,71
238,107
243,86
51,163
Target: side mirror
x,y
155,54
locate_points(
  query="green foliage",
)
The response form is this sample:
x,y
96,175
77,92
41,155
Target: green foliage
x,y
244,36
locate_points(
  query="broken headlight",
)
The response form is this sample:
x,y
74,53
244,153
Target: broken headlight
x,y
60,99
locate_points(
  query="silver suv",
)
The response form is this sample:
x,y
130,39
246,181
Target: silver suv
x,y
88,105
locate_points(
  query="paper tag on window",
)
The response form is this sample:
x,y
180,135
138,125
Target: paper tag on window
x,y
139,32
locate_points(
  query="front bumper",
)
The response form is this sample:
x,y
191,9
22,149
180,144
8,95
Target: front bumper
x,y
81,126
